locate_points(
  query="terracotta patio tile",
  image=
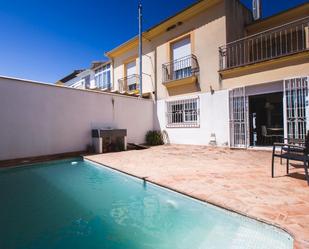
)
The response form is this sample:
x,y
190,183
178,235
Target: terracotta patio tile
x,y
235,179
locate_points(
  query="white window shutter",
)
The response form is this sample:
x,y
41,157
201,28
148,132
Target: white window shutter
x,y
131,68
181,48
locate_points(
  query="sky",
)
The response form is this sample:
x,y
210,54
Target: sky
x,y
44,40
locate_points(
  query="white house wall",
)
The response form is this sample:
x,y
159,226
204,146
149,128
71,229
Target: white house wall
x,y
214,118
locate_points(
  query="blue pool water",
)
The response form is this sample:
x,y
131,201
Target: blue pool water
x,y
77,204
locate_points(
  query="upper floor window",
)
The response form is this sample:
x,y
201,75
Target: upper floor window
x,y
180,51
182,64
181,48
131,79
103,77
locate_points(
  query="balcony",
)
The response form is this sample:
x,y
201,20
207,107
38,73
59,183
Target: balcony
x,y
181,71
129,84
288,39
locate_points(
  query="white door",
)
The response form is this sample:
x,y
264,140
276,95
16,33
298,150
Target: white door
x,y
238,105
296,107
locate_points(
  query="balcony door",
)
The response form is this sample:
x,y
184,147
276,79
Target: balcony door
x,y
181,51
131,76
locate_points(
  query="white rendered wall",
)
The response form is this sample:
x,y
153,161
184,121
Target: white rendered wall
x,y
38,119
214,118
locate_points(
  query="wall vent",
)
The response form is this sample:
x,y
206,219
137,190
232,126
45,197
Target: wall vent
x,y
174,26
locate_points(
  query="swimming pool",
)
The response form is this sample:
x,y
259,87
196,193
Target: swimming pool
x,y
78,204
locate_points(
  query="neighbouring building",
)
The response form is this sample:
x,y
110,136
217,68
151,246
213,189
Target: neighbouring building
x,y
98,76
70,79
219,76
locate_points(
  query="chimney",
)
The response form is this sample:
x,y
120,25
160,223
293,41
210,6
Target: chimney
x,y
257,9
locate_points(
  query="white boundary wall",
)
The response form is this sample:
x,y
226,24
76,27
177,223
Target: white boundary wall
x,y
39,119
214,118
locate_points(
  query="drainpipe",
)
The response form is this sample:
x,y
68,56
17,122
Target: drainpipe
x,y
140,51
113,74
155,74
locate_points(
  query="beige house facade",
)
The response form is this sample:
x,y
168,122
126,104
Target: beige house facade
x,y
218,77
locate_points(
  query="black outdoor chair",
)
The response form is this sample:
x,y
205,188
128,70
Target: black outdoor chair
x,y
299,142
292,152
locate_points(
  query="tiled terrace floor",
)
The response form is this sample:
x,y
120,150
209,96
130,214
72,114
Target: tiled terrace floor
x,y
236,179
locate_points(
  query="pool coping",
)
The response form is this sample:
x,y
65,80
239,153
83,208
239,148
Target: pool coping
x,y
39,159
277,226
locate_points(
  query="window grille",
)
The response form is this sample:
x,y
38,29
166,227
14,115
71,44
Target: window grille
x,y
183,113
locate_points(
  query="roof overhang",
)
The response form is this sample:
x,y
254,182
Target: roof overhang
x,y
162,27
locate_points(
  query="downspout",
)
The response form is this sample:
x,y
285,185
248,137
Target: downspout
x,y
113,72
140,50
155,114
155,75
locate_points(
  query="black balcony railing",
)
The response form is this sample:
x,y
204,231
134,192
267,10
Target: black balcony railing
x,y
179,69
129,83
280,41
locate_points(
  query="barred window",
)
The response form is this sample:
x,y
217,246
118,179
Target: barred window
x,y
183,113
